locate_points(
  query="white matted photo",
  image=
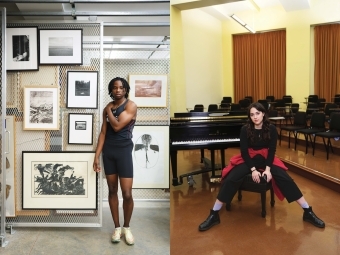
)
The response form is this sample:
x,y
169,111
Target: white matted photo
x,y
149,90
82,89
41,108
151,157
58,180
22,49
80,128
61,46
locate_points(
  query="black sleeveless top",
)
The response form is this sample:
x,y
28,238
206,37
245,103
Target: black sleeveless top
x,y
125,132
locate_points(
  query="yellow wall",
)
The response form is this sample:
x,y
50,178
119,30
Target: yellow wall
x,y
197,64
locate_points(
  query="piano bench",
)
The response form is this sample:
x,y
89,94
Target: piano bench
x,y
249,185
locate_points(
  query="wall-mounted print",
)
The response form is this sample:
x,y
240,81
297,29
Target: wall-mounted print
x,y
22,49
80,128
61,46
151,157
82,89
58,180
10,189
149,90
41,108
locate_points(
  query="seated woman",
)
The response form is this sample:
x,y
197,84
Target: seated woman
x,y
258,140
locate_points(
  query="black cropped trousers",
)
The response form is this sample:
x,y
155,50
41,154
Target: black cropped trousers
x,y
234,178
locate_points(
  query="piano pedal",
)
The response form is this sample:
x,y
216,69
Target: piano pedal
x,y
191,180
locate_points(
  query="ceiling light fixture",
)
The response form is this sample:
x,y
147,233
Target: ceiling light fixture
x,y
243,24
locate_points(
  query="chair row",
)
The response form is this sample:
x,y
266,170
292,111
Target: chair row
x,y
316,128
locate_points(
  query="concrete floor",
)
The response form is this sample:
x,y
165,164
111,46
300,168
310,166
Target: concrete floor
x,y
150,227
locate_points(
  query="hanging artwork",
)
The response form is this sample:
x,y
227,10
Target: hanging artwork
x,y
59,180
151,156
41,108
149,90
22,49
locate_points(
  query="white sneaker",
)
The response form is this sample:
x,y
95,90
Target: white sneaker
x,y
128,236
117,234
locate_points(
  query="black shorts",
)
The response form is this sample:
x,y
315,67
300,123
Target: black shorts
x,y
117,158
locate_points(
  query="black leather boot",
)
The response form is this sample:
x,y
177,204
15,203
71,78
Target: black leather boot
x,y
213,219
309,216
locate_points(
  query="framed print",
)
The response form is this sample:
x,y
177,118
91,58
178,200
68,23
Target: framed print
x,y
151,157
82,89
80,127
149,90
22,49
41,108
10,189
61,46
58,180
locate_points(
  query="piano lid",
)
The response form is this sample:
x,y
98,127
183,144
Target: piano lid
x,y
206,116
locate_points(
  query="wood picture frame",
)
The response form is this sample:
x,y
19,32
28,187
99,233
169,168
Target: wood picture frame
x,y
61,46
151,157
22,49
80,128
82,89
41,108
149,90
59,180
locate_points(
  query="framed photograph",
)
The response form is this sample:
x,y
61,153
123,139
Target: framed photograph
x,y
22,49
41,108
61,46
151,157
80,128
82,89
10,189
149,90
58,180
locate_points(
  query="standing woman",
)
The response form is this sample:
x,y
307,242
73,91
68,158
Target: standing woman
x,y
258,140
116,146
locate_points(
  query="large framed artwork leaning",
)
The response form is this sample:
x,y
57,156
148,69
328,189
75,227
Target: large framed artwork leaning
x,y
82,89
59,180
41,108
149,90
22,49
61,46
151,157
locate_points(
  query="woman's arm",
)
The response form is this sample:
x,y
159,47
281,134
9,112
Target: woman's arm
x,y
272,146
244,148
124,118
100,144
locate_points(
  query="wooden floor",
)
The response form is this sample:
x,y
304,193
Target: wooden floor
x,y
242,230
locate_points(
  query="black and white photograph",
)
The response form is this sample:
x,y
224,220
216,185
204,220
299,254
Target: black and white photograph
x,y
82,89
80,125
22,48
61,46
151,157
80,128
41,108
59,180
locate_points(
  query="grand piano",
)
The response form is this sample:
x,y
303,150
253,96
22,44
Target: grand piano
x,y
203,130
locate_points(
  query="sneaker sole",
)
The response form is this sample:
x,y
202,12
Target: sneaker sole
x,y
115,241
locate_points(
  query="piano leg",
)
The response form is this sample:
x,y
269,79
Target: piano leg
x,y
173,159
222,159
202,155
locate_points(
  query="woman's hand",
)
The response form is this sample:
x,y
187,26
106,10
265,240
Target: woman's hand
x,y
256,176
96,165
269,175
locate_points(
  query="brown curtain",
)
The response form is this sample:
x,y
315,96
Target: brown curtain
x,y
259,65
327,61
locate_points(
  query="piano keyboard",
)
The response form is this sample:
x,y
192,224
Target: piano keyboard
x,y
207,141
